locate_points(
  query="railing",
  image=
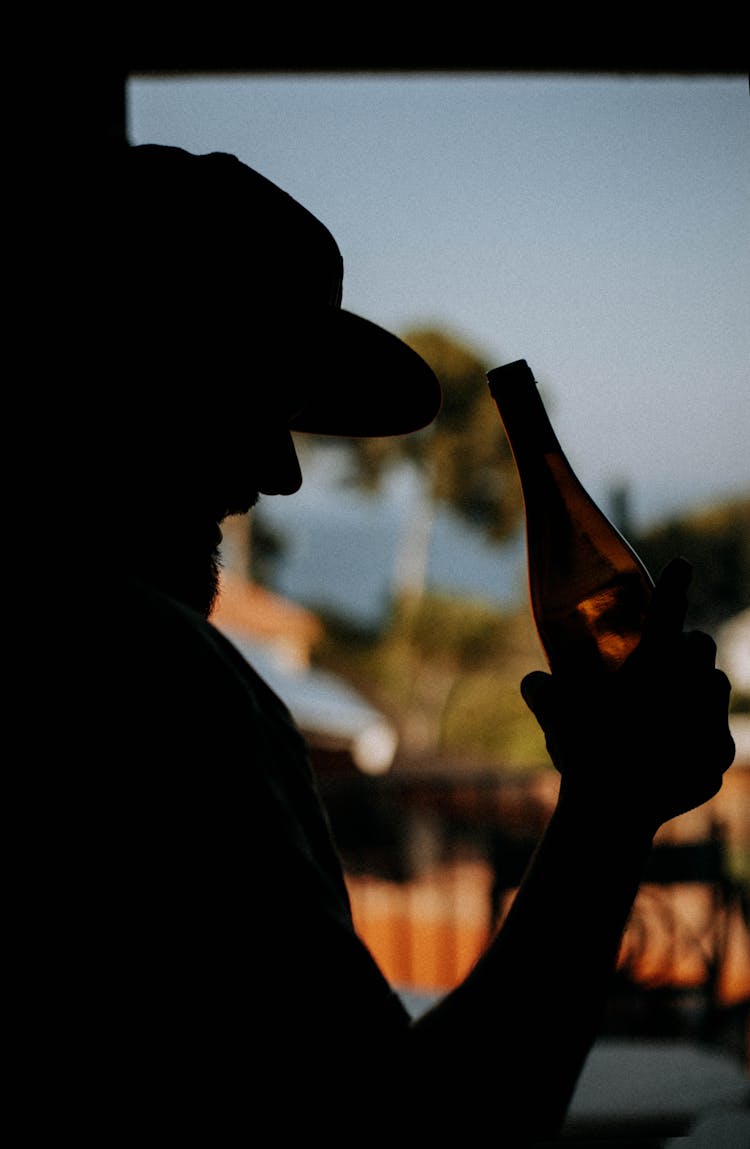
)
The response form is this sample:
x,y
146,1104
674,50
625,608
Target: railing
x,y
432,865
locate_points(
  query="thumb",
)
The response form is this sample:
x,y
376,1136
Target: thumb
x,y
668,609
537,693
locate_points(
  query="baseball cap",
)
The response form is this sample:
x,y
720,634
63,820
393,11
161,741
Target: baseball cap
x,y
222,254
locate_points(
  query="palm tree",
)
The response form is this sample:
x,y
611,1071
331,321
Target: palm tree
x,y
462,461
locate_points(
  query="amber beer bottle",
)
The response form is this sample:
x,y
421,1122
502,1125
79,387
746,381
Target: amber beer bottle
x,y
588,589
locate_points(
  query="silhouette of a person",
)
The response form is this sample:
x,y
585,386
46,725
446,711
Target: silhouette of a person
x,y
199,978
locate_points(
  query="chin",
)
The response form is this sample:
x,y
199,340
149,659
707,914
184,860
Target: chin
x,y
206,595
195,585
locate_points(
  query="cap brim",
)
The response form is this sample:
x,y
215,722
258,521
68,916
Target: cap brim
x,y
367,382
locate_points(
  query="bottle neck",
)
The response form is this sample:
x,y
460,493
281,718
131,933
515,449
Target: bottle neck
x,y
514,389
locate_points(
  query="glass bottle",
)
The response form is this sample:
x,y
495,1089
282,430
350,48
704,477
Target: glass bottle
x,y
588,589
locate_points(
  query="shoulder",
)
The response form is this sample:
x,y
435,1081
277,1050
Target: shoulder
x,y
154,668
159,633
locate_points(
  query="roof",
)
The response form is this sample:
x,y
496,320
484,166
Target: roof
x,y
276,637
257,614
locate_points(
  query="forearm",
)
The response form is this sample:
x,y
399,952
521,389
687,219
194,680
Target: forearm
x,y
634,748
575,898
522,1023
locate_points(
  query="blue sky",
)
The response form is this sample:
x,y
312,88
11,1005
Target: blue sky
x,y
597,227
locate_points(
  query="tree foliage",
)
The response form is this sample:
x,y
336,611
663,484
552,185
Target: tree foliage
x,y
447,669
716,541
463,455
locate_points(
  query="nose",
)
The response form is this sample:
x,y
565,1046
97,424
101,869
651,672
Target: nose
x,y
277,465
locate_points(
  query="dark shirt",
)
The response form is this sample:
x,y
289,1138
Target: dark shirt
x,y
203,962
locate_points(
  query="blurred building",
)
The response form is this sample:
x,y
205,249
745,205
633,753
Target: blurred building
x,y
733,656
277,637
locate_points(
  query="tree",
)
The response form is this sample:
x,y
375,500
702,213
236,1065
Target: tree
x,y
462,459
716,540
446,670
464,453
418,666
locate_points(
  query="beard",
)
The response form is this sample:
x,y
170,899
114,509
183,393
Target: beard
x,y
197,585
186,565
181,550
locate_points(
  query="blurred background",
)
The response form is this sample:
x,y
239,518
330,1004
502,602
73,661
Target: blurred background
x,y
594,223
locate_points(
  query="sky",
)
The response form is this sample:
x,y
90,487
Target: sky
x,y
597,227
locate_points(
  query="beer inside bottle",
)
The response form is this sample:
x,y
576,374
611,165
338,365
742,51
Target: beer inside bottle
x,y
588,589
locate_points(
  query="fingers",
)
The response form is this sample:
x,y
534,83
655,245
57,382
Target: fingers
x,y
669,604
720,691
536,691
699,649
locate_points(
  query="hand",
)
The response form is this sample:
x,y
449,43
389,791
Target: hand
x,y
650,740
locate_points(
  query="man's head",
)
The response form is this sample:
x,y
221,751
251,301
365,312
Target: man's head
x,y
223,263
220,302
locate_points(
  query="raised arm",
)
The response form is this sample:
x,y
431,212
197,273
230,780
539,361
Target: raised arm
x,y
634,748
